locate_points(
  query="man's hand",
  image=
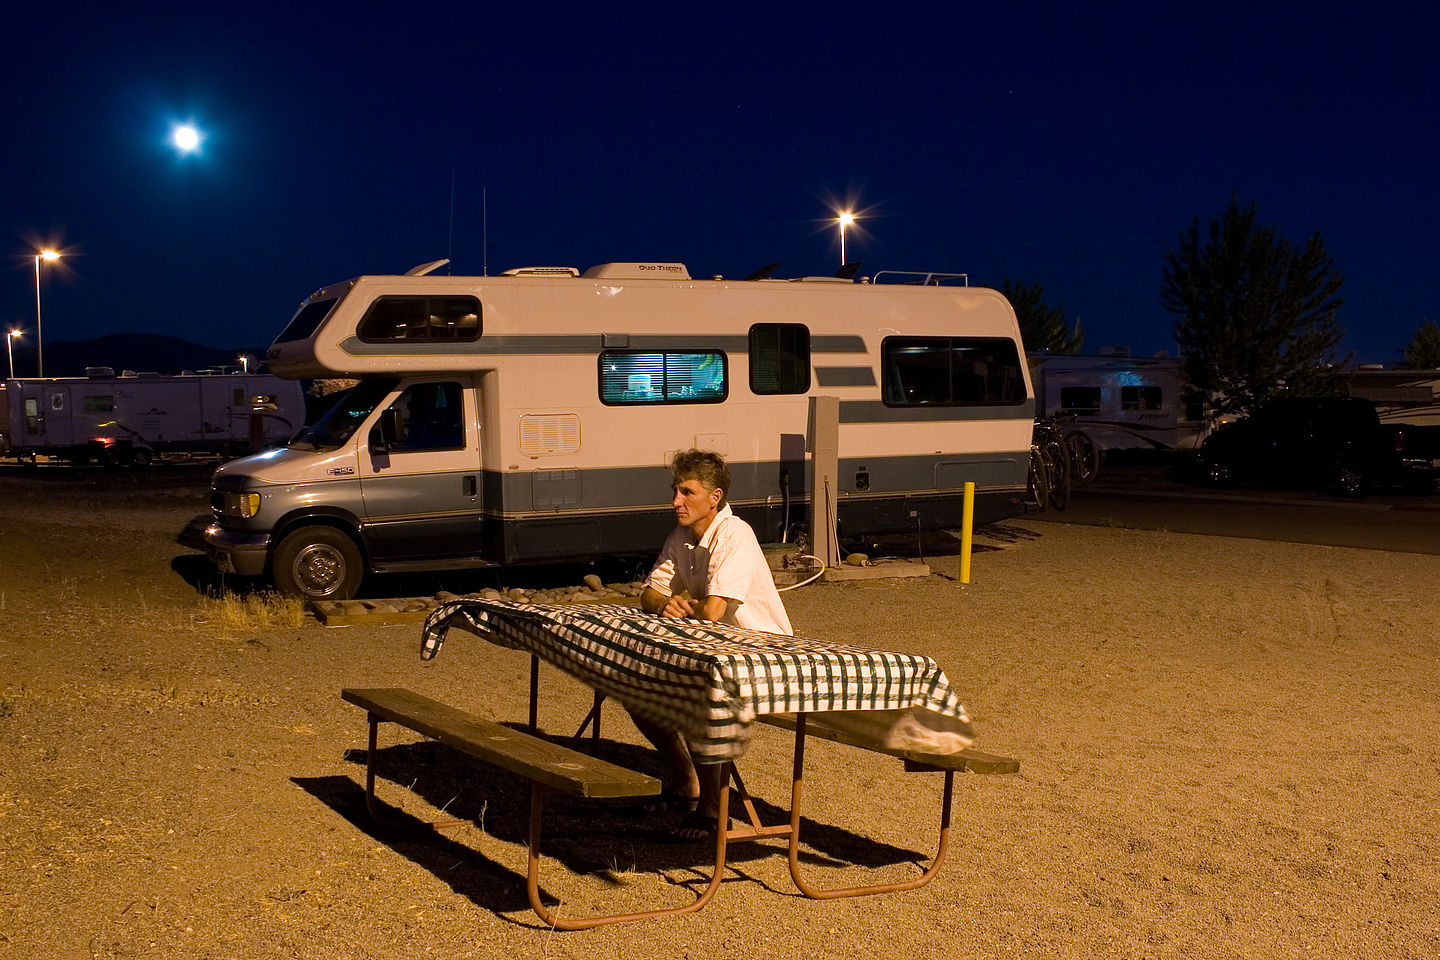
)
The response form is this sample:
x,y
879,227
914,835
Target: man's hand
x,y
677,607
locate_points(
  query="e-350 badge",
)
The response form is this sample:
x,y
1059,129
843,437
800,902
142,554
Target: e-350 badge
x,y
341,471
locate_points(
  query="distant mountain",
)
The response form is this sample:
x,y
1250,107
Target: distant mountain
x,y
141,352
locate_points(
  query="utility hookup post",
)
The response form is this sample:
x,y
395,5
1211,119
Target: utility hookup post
x,y
823,444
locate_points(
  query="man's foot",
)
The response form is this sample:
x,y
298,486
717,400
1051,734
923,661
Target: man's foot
x,y
694,827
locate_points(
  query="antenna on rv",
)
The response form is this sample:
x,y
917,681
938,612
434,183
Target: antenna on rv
x,y
450,242
484,233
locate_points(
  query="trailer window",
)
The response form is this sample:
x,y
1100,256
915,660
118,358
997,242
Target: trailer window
x,y
635,377
1081,401
952,371
1139,398
410,319
99,404
306,321
779,358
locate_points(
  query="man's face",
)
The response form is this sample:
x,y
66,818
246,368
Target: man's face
x,y
693,502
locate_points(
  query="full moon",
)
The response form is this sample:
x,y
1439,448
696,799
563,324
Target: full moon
x,y
186,139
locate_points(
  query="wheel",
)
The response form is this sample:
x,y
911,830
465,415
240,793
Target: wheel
x,y
1351,481
318,563
1039,480
141,457
1084,458
1057,469
1218,473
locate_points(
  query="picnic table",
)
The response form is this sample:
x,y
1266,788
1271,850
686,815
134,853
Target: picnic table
x,y
714,683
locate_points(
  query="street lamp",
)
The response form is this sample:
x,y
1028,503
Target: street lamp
x,y
845,219
48,256
10,336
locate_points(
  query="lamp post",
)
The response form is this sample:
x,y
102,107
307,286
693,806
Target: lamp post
x,y
845,219
10,336
46,255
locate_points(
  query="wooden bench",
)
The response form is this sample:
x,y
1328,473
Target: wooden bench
x,y
550,767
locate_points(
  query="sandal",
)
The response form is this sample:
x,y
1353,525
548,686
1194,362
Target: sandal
x,y
694,827
668,801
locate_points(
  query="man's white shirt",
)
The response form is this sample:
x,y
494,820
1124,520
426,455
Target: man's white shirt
x,y
726,562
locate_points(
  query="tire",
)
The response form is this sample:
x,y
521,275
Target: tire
x,y
318,563
141,457
1039,480
1084,459
1058,474
1351,481
1219,474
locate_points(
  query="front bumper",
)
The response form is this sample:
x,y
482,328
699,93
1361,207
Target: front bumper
x,y
243,554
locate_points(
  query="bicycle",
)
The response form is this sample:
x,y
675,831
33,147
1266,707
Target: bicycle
x,y
1049,466
1083,451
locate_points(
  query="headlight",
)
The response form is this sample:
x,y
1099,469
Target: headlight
x,y
240,504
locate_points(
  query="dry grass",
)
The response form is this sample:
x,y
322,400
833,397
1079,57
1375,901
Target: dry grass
x,y
252,612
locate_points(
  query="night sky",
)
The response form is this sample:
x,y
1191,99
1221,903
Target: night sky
x,y
1065,146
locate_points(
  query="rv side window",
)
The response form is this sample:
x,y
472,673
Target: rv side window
x,y
1081,401
779,358
431,418
638,377
306,321
408,319
1139,398
99,404
952,371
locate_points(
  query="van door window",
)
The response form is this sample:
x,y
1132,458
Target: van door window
x,y
32,414
431,417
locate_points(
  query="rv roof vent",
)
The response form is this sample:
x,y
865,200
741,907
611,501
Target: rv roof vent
x,y
128,373
99,371
422,269
1363,366
542,272
822,280
638,271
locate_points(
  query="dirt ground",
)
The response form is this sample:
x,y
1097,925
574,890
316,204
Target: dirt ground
x,y
1229,749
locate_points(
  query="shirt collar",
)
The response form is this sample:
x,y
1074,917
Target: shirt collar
x,y
722,514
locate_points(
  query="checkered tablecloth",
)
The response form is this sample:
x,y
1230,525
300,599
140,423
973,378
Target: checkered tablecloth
x,y
711,680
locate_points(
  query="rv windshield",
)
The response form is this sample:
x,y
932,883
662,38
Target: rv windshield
x,y
340,422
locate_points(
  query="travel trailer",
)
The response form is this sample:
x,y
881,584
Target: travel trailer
x,y
1122,402
531,417
136,418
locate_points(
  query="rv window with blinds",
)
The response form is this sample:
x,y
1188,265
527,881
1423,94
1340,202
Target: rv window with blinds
x,y
779,358
422,319
647,377
1081,401
1140,398
951,371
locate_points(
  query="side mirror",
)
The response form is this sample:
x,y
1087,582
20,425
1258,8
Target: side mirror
x,y
383,434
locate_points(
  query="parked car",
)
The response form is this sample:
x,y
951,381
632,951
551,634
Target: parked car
x,y
1335,443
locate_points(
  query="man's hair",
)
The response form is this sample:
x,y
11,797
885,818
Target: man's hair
x,y
709,468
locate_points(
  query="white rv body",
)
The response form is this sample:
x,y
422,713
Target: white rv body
x,y
576,392
138,418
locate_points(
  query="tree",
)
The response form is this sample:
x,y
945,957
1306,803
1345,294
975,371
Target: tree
x,y
1042,328
1423,352
1257,314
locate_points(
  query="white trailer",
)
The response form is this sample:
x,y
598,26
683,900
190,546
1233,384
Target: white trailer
x,y
532,416
1122,402
137,418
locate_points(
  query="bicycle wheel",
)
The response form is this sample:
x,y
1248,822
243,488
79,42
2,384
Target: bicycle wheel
x,y
1039,491
1057,474
1084,458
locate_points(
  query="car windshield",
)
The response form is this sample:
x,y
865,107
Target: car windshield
x,y
344,417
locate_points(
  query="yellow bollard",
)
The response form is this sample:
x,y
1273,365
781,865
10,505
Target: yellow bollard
x,y
967,524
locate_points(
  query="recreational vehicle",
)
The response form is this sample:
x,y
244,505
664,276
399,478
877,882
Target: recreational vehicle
x,y
531,417
1121,402
135,418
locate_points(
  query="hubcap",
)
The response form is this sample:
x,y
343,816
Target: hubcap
x,y
319,568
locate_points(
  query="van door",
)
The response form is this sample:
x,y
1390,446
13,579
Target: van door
x,y
420,474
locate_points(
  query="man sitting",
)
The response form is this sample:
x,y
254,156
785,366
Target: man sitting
x,y
711,568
